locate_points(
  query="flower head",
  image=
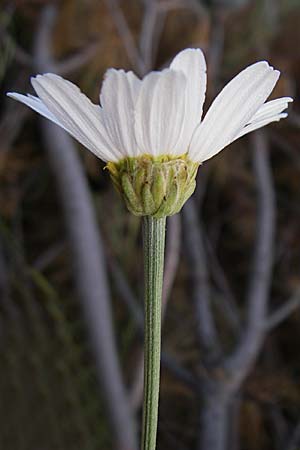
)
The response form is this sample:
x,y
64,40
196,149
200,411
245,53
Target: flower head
x,y
158,121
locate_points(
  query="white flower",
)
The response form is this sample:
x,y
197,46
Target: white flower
x,y
160,114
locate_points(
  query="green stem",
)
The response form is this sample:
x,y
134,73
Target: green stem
x,y
154,245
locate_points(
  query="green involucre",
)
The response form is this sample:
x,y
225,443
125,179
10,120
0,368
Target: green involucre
x,y
154,186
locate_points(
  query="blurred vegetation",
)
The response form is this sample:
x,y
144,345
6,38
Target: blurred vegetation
x,y
50,398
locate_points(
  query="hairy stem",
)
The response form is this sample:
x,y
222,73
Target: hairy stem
x,y
154,244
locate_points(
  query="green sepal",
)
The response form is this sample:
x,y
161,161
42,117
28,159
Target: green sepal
x,y
129,192
158,188
147,200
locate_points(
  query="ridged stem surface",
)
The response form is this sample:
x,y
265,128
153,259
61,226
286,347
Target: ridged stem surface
x,y
154,245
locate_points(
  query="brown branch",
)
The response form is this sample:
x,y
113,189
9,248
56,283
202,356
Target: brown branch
x,y
125,35
127,295
88,259
78,60
195,5
216,49
20,55
240,362
13,118
283,312
67,65
44,260
152,27
228,303
197,261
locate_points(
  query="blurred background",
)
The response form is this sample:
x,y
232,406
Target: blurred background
x,y
71,279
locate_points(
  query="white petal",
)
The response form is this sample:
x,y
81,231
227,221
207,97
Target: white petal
x,y
160,112
260,123
271,108
118,97
232,109
267,113
192,63
76,113
36,104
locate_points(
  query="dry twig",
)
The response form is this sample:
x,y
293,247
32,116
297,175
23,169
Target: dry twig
x,y
126,35
194,245
283,312
252,338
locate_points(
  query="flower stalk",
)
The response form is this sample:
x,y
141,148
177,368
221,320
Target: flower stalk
x,y
154,246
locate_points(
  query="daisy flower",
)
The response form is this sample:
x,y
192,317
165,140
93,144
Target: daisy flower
x,y
151,132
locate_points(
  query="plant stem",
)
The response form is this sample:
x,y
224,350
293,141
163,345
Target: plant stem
x,y
154,245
